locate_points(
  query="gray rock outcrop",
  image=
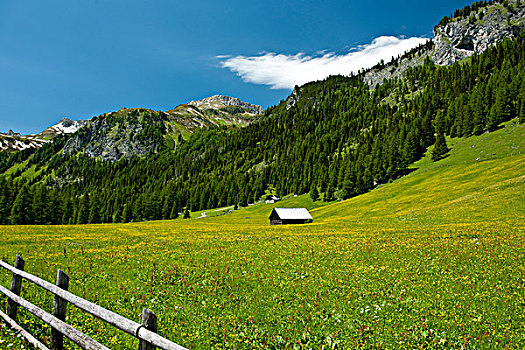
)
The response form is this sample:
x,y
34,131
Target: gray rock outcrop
x,y
376,77
114,136
463,37
457,40
292,99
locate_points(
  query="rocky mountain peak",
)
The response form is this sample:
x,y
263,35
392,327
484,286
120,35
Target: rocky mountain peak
x,y
221,101
12,133
66,122
65,126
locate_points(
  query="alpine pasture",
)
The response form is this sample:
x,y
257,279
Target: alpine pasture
x,y
435,259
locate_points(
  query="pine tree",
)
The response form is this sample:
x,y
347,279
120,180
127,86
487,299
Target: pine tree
x,y
501,109
329,194
4,202
94,212
166,208
314,194
174,211
478,112
440,147
54,208
521,115
127,212
439,122
202,200
40,203
21,211
107,213
67,212
4,212
83,210
118,213
348,189
137,209
367,181
411,148
466,116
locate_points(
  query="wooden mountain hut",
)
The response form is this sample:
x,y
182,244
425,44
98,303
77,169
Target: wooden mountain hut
x,y
286,216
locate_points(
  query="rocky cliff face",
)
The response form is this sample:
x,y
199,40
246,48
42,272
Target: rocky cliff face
x,y
463,37
292,99
120,134
458,39
376,76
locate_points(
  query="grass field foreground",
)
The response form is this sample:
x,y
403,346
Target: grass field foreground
x,y
433,260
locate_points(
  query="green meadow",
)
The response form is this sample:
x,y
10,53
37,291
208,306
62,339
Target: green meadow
x,y
433,260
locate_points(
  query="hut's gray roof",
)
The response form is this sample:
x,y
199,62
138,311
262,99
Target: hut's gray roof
x,y
293,213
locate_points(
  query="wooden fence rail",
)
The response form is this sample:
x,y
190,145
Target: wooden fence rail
x,y
145,332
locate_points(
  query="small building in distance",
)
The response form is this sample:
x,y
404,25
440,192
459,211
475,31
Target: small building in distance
x,y
271,199
286,216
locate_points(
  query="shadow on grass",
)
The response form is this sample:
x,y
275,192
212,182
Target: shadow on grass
x,y
446,155
404,172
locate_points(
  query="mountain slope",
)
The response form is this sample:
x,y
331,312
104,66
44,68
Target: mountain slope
x,y
336,136
183,120
13,142
126,133
431,260
482,180
339,136
16,142
138,131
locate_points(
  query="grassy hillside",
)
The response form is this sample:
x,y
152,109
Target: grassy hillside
x,y
482,180
432,260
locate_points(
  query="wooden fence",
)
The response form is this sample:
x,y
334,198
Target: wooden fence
x,y
144,332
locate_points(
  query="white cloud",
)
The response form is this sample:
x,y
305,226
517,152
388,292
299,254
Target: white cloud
x,y
282,71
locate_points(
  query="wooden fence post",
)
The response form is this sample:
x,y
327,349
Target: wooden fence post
x,y
16,286
59,311
149,321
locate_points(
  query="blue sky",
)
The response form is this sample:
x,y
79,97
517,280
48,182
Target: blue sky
x,y
79,59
